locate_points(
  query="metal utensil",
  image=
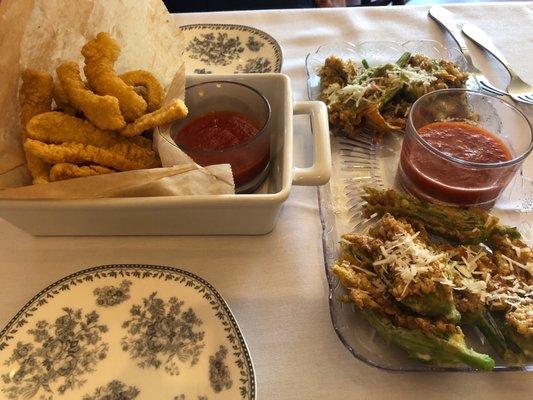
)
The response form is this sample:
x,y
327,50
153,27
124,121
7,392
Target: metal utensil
x,y
517,89
445,19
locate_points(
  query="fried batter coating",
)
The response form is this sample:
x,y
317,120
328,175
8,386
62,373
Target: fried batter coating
x,y
171,112
153,93
100,55
509,253
470,268
413,271
122,157
35,94
102,111
391,229
61,100
336,70
378,97
64,171
521,319
462,225
35,97
369,292
56,128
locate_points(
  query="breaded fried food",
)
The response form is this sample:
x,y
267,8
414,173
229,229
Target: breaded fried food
x,y
64,171
412,269
173,111
35,94
57,127
378,97
469,226
428,339
61,99
122,157
513,257
153,91
102,111
35,97
100,55
521,319
337,71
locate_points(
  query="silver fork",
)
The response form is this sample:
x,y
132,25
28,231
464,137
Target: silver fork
x,y
445,19
517,89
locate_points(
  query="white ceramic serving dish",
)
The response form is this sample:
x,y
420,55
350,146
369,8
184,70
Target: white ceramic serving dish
x,y
243,214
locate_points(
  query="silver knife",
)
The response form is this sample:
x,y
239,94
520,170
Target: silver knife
x,y
445,19
518,89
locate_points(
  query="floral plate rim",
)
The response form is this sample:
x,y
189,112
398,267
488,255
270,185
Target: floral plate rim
x,y
22,316
278,52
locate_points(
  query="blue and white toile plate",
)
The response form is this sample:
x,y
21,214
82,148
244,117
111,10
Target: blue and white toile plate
x,y
126,332
229,49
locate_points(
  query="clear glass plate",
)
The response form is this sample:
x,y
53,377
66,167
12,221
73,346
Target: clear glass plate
x,y
361,162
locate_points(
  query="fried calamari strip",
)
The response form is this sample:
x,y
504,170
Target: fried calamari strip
x,y
35,97
171,112
102,111
122,157
100,56
35,94
64,171
61,100
56,128
153,93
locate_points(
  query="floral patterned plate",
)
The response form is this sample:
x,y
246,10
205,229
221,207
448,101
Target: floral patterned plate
x,y
230,49
126,332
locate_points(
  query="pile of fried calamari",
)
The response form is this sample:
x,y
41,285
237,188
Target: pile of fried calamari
x,y
379,97
75,128
418,293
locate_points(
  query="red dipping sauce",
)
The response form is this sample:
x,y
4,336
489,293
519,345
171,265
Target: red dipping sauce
x,y
466,142
453,181
217,130
220,137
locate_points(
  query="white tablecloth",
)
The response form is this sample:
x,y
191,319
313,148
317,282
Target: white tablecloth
x,y
275,283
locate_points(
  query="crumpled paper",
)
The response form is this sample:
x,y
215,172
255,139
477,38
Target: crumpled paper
x,y
179,180
169,152
41,34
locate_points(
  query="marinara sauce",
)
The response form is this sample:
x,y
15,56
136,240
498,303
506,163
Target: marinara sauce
x,y
217,130
216,138
449,181
466,142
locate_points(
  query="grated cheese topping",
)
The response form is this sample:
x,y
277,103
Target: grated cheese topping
x,y
517,295
347,264
513,263
508,289
408,258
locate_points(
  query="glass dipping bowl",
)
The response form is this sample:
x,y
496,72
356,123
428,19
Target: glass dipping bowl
x,y
249,160
426,172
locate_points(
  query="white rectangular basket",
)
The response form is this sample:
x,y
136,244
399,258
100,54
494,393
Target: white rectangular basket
x,y
243,214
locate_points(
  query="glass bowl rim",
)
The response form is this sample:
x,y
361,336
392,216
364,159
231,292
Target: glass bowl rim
x,y
247,142
465,163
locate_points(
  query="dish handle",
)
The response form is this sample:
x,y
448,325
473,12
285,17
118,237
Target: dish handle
x,y
320,171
